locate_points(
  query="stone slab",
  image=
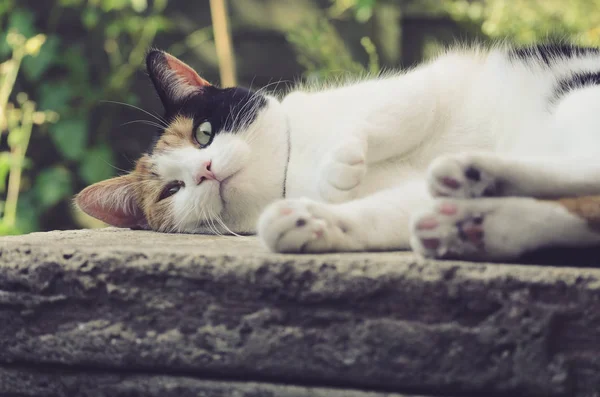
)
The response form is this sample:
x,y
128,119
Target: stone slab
x,y
223,308
39,383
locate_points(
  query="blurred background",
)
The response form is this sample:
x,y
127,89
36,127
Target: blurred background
x,y
71,71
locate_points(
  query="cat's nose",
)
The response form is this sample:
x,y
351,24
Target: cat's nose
x,y
204,173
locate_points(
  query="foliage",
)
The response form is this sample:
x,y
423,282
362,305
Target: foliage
x,y
361,9
322,52
113,34
526,21
17,121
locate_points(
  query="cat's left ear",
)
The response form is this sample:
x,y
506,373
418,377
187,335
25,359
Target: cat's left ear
x,y
113,201
174,80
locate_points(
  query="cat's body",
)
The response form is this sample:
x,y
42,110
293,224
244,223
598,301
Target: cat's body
x,y
354,167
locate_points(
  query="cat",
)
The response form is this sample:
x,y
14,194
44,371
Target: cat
x,y
472,155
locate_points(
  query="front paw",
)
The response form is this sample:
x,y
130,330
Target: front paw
x,y
342,172
302,225
462,176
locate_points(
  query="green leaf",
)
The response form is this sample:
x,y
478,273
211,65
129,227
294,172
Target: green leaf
x,y
97,164
113,5
70,137
34,67
90,18
28,213
52,185
139,5
76,62
6,6
4,47
55,96
23,21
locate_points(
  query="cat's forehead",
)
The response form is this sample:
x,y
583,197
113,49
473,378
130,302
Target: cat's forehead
x,y
223,108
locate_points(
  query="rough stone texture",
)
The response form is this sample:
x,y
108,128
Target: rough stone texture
x,y
191,313
69,383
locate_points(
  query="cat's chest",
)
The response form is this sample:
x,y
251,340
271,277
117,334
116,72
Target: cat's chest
x,y
308,167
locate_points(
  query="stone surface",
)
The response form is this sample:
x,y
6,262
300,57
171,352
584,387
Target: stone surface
x,y
27,382
177,310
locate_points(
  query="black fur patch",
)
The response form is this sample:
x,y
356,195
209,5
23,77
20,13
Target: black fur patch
x,y
548,52
574,82
224,108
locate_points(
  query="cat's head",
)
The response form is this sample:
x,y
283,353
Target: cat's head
x,y
219,160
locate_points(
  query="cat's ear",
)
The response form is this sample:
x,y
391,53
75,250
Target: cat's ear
x,y
173,79
113,201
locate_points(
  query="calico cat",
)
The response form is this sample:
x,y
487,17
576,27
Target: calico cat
x,y
468,156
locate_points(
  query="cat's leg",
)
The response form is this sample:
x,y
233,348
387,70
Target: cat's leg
x,y
377,222
406,111
473,175
500,229
342,171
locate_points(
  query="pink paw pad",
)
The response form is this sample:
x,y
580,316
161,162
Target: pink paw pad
x,y
448,209
427,223
472,230
430,243
450,182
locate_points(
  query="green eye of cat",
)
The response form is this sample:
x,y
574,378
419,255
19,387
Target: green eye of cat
x,y
204,134
170,189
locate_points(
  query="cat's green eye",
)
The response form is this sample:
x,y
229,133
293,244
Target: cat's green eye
x,y
204,134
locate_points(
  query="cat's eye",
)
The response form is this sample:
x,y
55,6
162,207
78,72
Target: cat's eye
x,y
204,134
170,189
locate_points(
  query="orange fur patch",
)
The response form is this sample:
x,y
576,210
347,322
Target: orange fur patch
x,y
178,134
149,185
586,207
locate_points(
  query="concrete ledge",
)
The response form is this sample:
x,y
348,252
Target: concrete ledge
x,y
189,314
27,382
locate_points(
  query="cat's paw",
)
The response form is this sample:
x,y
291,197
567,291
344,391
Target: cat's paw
x,y
462,176
342,172
483,229
303,226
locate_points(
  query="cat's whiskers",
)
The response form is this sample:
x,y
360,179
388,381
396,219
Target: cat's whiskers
x,y
161,120
252,134
224,226
202,217
238,123
147,122
178,226
212,224
206,214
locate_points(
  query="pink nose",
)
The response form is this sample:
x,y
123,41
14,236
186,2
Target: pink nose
x,y
204,173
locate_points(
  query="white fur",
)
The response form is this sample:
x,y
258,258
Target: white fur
x,y
358,167
245,159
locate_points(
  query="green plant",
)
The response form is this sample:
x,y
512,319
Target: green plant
x,y
526,21
70,76
320,49
16,121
